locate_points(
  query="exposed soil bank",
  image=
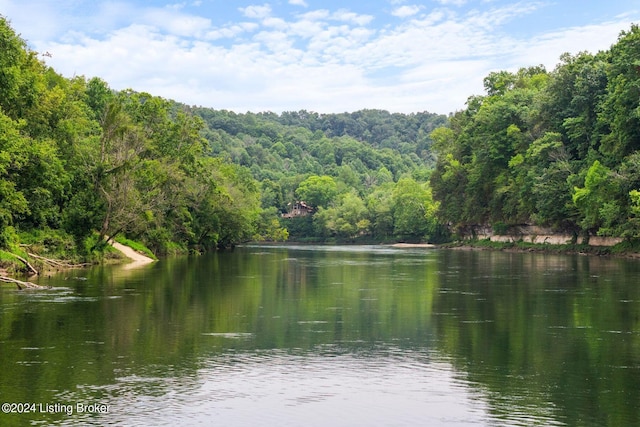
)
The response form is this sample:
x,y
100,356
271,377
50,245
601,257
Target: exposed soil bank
x,y
413,245
137,258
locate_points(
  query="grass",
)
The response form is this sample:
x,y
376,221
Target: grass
x,y
57,245
9,262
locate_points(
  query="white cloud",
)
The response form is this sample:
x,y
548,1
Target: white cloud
x,y
321,60
406,11
355,18
231,31
258,12
452,2
591,38
175,22
302,3
316,15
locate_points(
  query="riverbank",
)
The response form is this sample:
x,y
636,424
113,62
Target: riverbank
x,y
13,265
623,249
413,245
137,259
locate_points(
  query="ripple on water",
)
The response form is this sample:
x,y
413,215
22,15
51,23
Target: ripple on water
x,y
230,335
387,386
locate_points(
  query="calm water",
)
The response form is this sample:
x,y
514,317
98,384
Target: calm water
x,y
328,336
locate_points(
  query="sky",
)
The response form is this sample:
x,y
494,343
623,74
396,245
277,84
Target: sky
x,y
324,56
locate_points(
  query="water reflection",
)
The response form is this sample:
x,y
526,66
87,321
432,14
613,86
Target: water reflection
x,y
332,335
273,387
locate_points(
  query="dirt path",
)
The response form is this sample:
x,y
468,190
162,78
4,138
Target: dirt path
x,y
137,258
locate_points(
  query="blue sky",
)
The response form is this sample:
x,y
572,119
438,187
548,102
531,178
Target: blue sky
x,y
324,56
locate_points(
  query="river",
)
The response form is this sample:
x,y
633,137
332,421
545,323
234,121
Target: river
x,y
327,336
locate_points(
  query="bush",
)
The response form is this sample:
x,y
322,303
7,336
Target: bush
x,y
500,228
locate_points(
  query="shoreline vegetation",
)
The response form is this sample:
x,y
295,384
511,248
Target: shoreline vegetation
x,y
624,249
135,255
539,153
627,249
132,254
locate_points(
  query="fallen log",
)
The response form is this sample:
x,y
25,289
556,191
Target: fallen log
x,y
20,284
26,263
57,263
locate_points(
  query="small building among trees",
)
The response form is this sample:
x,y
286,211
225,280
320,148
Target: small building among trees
x,y
297,209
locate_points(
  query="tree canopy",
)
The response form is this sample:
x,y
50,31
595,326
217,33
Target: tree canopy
x,y
555,148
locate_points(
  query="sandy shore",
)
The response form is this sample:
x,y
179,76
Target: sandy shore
x,y
138,259
413,245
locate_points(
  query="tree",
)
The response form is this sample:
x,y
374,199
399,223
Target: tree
x,y
595,195
98,96
317,191
449,183
621,108
12,157
347,219
548,171
380,209
112,164
414,212
21,74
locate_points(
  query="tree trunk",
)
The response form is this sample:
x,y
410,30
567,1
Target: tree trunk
x,y
21,285
32,270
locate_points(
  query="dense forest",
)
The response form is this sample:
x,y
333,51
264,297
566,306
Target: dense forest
x,y
557,148
353,169
80,161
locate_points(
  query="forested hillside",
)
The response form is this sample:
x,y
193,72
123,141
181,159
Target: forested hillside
x,y
553,148
80,161
355,159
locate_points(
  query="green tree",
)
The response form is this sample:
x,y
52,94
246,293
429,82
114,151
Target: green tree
x,y
595,195
620,112
21,74
113,163
347,219
317,191
380,208
449,183
414,212
12,157
548,171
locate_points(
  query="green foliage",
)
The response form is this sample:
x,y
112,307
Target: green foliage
x,y
380,207
317,191
556,149
620,109
302,229
346,219
12,159
553,148
80,158
592,198
414,210
270,228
